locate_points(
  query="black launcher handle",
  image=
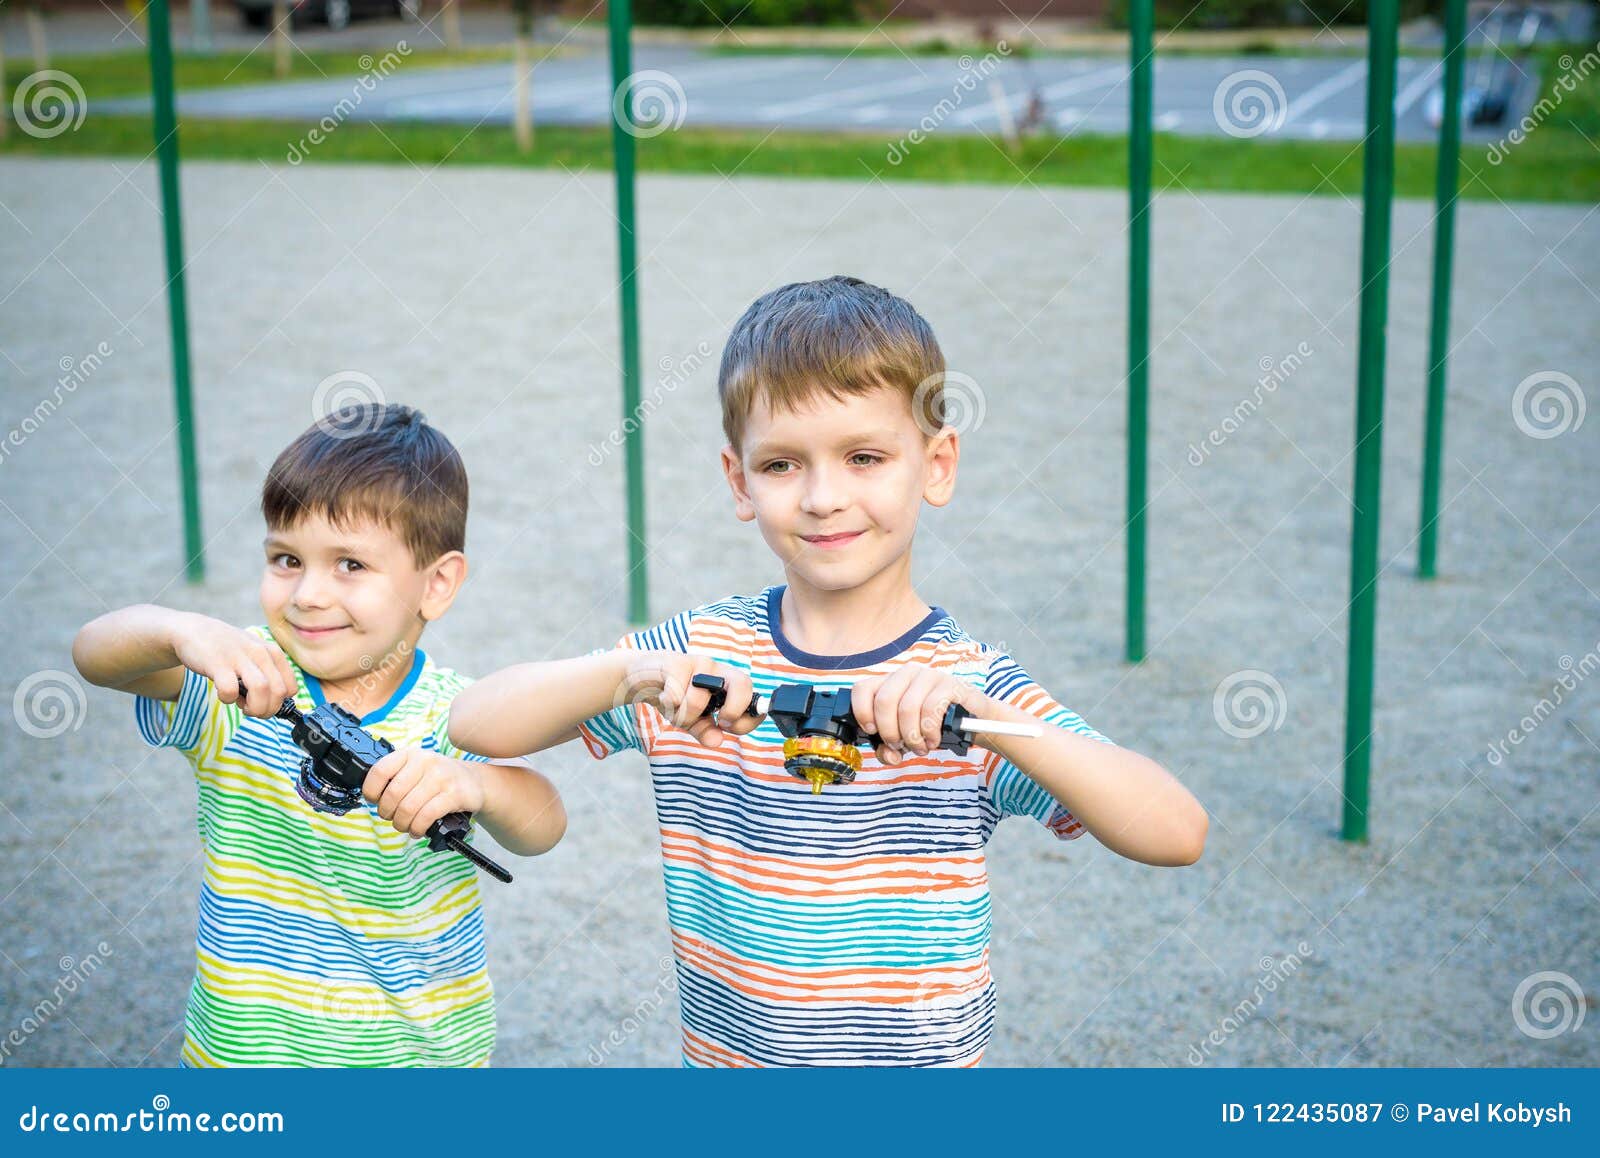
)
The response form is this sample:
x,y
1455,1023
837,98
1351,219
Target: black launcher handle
x,y
340,753
801,709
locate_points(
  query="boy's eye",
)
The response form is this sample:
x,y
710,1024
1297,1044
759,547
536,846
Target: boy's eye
x,y
351,565
864,459
779,466
284,560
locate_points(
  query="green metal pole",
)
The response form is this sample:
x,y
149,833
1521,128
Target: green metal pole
x,y
1444,244
622,141
1377,196
166,131
1141,21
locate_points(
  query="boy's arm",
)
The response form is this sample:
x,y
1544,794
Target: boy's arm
x,y
1131,804
520,808
533,706
145,650
132,650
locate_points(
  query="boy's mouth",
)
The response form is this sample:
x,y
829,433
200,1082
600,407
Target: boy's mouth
x,y
316,632
838,540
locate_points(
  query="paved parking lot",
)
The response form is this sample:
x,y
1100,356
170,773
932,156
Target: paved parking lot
x,y
1269,96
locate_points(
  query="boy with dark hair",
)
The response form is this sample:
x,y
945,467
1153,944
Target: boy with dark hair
x,y
333,940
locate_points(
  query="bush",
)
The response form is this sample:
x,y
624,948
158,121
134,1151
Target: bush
x,y
715,13
1262,13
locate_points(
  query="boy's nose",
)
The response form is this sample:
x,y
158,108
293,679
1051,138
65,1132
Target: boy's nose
x,y
311,592
823,494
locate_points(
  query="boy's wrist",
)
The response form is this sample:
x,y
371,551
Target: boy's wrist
x,y
482,782
162,631
641,676
174,626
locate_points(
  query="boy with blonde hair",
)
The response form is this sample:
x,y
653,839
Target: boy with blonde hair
x,y
850,926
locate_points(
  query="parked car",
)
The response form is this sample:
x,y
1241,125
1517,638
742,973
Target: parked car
x,y
335,14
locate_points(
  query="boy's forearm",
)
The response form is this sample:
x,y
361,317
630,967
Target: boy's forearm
x,y
521,809
122,647
533,706
1131,804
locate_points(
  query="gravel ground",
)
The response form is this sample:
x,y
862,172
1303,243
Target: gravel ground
x,y
486,298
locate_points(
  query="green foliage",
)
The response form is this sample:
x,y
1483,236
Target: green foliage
x,y
716,13
1261,13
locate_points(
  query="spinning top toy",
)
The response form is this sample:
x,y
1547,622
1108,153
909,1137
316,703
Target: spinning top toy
x,y
822,740
340,753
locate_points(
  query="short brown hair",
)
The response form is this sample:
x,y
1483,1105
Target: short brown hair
x,y
839,336
376,460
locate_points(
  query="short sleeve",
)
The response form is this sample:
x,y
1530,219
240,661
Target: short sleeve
x,y
441,732
195,722
631,724
1010,789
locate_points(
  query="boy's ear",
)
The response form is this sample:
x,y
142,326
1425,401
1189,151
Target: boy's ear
x,y
445,576
944,452
733,468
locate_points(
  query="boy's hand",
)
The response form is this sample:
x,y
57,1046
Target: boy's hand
x,y
906,708
229,656
662,679
413,788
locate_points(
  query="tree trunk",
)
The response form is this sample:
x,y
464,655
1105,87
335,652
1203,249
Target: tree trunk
x,y
522,83
5,114
200,25
451,16
36,38
280,38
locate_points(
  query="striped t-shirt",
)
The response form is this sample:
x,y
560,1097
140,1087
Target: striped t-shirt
x,y
846,928
324,940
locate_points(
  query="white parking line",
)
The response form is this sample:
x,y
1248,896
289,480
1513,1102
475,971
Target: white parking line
x,y
592,91
1101,79
1318,93
1093,80
1414,91
847,96
711,76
